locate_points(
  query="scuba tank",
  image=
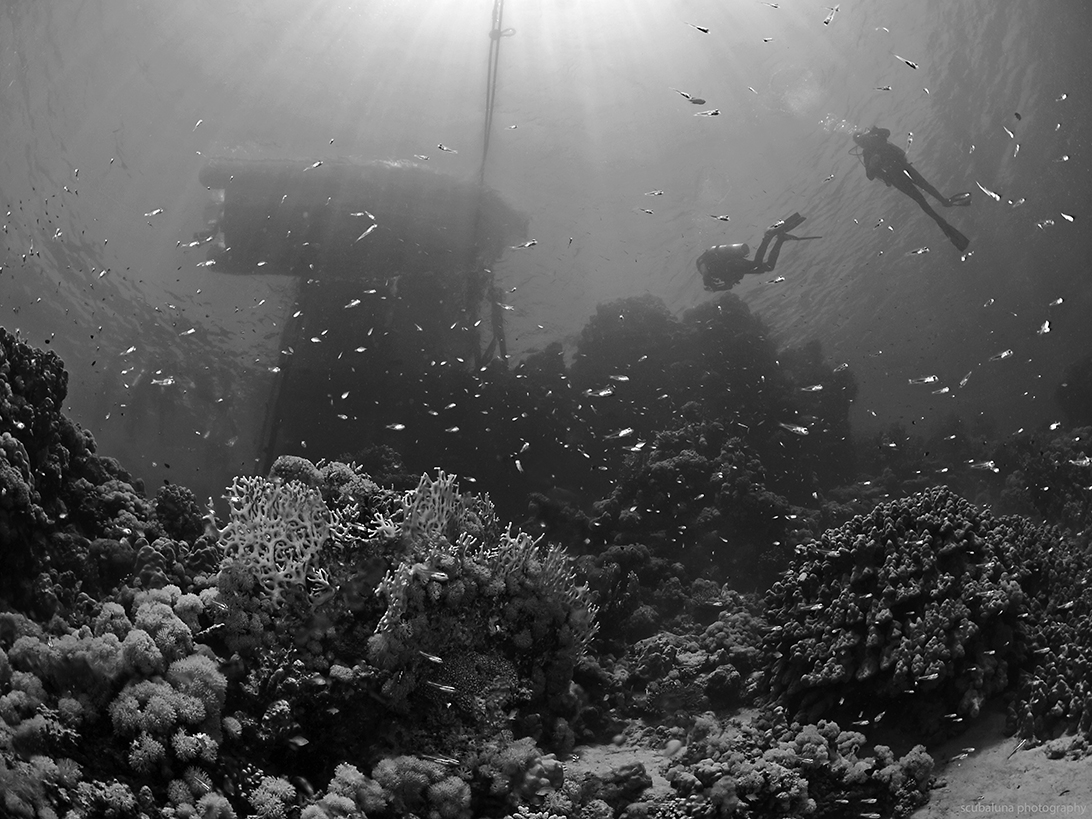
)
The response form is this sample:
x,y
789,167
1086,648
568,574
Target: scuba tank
x,y
738,250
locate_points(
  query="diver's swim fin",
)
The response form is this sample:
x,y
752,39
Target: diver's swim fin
x,y
956,238
785,225
794,221
960,200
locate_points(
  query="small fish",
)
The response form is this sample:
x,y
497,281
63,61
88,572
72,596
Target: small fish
x,y
1001,355
422,157
452,429
751,89
299,741
883,87
519,466
910,63
772,5
1067,217
619,378
925,379
714,112
365,233
942,391
1084,460
721,218
830,17
188,332
194,128
155,212
812,388
1007,131
795,429
530,243
313,166
843,366
363,213
1017,203
1043,224
702,29
1044,328
443,689
909,140
352,303
646,210
440,760
654,193
829,178
130,350
996,197
777,280
918,252
396,427
985,466
963,381
446,149
163,382
1056,302
767,39
622,433
603,393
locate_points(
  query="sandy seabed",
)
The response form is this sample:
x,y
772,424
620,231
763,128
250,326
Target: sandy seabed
x,y
997,779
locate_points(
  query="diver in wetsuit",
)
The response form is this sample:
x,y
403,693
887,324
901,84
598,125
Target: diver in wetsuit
x,y
889,163
723,266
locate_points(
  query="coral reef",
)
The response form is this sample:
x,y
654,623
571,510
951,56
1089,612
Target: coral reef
x,y
926,608
772,768
339,649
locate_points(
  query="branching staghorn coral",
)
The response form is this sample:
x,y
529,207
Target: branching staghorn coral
x,y
425,513
275,531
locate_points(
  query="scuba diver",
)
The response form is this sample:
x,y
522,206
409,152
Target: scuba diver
x,y
723,266
889,163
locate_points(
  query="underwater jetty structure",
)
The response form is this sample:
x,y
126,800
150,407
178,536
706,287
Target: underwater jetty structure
x,y
394,266
337,648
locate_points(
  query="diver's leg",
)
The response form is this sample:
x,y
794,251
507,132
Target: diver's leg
x,y
919,180
774,253
760,265
954,236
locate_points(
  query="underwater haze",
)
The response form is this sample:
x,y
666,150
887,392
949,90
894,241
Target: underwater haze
x,y
584,118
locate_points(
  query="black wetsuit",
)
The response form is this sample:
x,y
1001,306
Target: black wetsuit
x,y
888,162
723,266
